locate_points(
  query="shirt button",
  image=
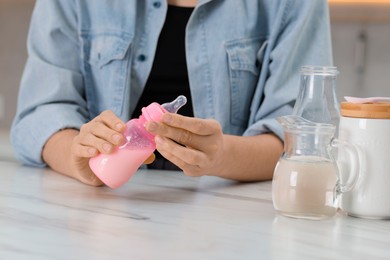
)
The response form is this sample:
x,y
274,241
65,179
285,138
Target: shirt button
x,y
141,57
157,4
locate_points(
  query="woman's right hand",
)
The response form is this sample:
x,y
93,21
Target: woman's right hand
x,y
100,135
68,151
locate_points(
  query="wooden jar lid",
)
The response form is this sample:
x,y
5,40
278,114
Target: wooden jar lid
x,y
367,110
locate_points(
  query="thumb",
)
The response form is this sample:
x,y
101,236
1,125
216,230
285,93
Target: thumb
x,y
150,159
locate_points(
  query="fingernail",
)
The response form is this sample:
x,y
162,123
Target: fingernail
x,y
167,118
119,126
116,138
152,126
158,140
106,147
91,151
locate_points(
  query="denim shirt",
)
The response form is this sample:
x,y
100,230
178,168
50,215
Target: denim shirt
x,y
243,61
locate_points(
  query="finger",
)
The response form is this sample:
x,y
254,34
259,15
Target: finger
x,y
111,120
190,170
186,154
104,132
150,159
92,140
181,136
84,151
194,125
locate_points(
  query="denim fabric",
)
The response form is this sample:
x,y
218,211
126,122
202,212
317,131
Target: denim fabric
x,y
243,57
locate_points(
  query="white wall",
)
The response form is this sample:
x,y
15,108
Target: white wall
x,y
362,53
14,19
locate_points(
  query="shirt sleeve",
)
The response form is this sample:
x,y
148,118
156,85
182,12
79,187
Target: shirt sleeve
x,y
300,35
51,94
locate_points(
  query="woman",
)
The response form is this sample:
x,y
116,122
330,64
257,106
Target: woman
x,y
93,64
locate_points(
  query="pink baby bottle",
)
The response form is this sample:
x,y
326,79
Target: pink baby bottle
x,y
117,168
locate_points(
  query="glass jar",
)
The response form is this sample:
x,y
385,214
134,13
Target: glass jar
x,y
317,101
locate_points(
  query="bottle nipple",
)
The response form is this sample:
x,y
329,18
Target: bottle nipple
x,y
175,105
154,111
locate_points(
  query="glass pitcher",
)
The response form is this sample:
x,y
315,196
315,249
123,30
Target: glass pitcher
x,y
306,182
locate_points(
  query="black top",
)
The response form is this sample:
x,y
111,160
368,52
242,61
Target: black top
x,y
169,77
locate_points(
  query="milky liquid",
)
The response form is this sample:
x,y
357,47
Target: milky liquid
x,y
303,186
118,167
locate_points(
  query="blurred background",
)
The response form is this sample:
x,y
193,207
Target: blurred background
x,y
361,49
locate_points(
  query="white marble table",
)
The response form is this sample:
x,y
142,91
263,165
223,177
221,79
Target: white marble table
x,y
166,215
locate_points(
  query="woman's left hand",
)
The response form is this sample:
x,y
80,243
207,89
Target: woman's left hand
x,y
195,145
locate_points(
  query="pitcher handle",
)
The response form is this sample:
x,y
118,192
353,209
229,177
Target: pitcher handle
x,y
354,161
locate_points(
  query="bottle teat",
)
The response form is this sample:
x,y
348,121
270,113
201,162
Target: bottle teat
x,y
175,105
154,111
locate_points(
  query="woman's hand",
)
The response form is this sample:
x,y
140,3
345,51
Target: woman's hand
x,y
68,151
199,147
100,135
195,145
